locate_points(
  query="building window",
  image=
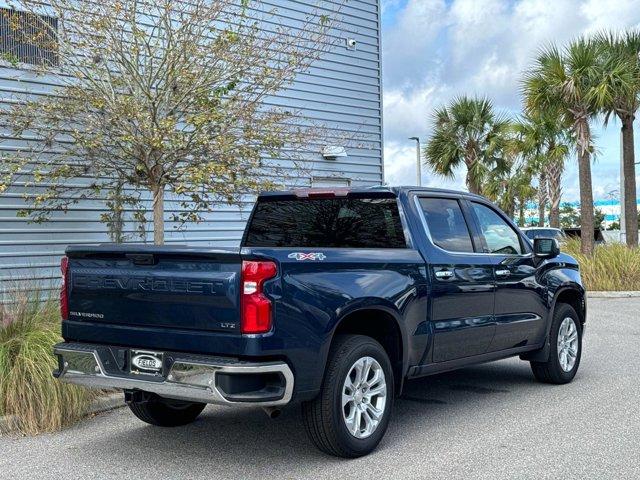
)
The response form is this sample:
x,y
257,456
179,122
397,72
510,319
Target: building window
x,y
28,38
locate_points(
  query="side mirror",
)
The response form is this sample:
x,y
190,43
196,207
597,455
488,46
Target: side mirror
x,y
546,247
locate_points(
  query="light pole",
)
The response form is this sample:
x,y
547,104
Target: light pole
x,y
418,169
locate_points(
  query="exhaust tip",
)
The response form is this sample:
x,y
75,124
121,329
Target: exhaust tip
x,y
272,412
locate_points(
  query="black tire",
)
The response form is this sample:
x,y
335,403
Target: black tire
x,y
163,412
323,416
551,371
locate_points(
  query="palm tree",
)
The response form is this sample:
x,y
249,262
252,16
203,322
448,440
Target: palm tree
x,y
566,80
468,133
512,189
618,93
524,193
555,169
529,142
542,139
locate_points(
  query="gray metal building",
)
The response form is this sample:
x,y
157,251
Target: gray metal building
x,y
342,91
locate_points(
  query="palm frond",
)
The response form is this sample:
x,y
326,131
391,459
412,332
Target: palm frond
x,y
468,131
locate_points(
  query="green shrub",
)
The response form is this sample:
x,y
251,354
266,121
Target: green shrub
x,y
613,266
29,327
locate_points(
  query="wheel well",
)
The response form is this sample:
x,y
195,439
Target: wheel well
x,y
576,300
382,327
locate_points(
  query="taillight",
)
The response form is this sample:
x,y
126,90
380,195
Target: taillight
x,y
64,295
256,307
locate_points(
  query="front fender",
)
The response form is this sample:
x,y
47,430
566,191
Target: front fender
x,y
560,279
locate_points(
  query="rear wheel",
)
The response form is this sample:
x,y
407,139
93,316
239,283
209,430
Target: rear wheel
x,y
163,412
351,414
565,348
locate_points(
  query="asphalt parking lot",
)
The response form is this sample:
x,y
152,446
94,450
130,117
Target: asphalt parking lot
x,y
491,421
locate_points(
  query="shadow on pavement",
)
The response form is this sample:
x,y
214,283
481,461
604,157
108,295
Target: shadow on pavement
x,y
238,439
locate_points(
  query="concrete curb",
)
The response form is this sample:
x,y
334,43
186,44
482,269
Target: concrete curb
x,y
603,294
101,404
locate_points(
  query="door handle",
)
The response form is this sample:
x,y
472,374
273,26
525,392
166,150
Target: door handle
x,y
443,274
503,273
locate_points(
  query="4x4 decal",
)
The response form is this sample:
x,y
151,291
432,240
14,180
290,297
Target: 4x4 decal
x,y
307,256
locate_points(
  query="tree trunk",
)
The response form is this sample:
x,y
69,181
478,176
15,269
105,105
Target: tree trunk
x,y
554,179
472,184
586,199
158,214
629,202
542,197
521,213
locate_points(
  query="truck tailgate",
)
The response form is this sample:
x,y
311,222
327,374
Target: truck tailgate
x,y
172,287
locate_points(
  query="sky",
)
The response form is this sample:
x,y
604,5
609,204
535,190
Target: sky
x,y
434,50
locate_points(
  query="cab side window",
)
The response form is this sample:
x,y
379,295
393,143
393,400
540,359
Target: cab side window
x,y
446,223
499,236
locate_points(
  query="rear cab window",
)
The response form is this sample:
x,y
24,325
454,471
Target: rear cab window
x,y
339,222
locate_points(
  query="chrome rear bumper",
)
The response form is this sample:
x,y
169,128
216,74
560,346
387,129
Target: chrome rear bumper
x,y
191,378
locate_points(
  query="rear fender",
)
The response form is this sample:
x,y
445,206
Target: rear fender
x,y
372,305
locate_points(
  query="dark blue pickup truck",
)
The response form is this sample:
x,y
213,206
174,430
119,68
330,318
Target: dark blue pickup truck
x,y
334,298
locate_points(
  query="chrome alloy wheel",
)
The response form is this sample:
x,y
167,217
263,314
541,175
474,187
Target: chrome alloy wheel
x,y
567,344
364,396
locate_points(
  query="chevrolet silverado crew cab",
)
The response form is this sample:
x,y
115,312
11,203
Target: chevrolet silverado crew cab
x,y
333,299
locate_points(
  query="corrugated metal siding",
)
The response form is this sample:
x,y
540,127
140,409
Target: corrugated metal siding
x,y
342,91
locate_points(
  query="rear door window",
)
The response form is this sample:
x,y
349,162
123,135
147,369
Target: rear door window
x,y
326,222
446,223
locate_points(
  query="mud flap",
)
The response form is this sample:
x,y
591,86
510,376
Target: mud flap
x,y
541,355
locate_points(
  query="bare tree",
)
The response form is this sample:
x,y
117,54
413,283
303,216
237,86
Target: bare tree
x,y
169,97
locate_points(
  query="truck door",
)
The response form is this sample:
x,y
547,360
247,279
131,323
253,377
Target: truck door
x,y
520,311
462,279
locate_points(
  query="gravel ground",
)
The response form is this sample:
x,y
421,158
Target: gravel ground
x,y
491,421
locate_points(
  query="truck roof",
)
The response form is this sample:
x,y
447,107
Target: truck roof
x,y
379,189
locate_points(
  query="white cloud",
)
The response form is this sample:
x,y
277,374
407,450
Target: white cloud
x,y
605,14
497,76
407,114
436,50
409,47
402,170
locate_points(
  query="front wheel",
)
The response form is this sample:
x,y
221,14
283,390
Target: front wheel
x,y
351,414
565,340
163,412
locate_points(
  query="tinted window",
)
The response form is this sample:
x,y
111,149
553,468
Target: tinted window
x,y
446,224
544,233
498,234
327,222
